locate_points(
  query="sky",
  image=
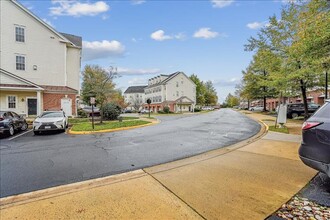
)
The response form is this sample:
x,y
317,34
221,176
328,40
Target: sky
x,y
145,38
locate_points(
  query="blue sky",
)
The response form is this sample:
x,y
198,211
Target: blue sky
x,y
146,38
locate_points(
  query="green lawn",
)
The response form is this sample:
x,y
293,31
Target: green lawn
x,y
77,120
87,126
277,129
129,118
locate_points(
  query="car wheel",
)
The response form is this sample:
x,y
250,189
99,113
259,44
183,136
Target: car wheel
x,y
36,132
24,126
294,115
67,126
11,130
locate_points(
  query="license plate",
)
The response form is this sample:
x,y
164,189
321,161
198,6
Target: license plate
x,y
47,127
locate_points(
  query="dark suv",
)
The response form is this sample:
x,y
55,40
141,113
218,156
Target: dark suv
x,y
297,109
315,147
10,121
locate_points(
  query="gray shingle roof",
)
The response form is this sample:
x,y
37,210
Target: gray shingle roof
x,y
76,40
135,89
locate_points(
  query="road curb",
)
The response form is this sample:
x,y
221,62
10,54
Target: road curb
x,y
56,191
113,130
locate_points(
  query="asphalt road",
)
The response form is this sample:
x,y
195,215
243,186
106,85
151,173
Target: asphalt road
x,y
30,163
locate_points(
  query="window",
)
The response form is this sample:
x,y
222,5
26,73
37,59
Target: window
x,y
177,84
20,62
11,101
177,93
20,34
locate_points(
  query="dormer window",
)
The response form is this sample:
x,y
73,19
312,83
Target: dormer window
x,y
20,34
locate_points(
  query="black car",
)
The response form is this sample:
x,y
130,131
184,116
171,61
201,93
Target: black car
x,y
11,122
297,109
315,147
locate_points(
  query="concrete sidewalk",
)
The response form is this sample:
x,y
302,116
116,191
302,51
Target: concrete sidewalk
x,y
249,180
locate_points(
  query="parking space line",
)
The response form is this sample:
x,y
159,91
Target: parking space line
x,y
16,136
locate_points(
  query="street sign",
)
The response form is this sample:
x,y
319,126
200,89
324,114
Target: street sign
x,y
92,100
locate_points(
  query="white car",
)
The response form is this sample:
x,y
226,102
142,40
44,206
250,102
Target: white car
x,y
50,121
145,111
257,108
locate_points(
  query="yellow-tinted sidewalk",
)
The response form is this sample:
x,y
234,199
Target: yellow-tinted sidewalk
x,y
249,180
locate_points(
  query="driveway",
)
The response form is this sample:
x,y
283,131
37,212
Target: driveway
x,y
29,163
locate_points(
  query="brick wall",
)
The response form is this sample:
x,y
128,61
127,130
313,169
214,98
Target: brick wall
x,y
52,101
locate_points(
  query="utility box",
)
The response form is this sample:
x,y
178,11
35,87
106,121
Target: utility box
x,y
281,115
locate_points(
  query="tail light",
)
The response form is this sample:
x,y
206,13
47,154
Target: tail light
x,y
308,125
1,119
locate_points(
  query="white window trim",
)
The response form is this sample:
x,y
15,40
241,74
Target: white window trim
x,y
21,26
22,55
16,101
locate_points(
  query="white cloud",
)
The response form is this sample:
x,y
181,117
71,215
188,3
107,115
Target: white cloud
x,y
76,8
48,22
205,33
226,83
102,49
256,25
138,81
221,3
127,71
137,2
160,36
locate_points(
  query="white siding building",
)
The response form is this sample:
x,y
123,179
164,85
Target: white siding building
x,y
39,67
176,91
134,97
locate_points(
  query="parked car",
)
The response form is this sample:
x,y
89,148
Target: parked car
x,y
256,108
50,121
314,150
145,111
297,109
88,110
11,122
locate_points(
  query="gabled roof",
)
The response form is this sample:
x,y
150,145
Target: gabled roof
x,y
182,100
76,40
135,89
171,76
64,39
18,81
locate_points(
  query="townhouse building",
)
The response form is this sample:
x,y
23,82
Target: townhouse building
x,y
134,96
175,91
39,66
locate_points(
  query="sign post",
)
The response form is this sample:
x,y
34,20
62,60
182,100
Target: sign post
x,y
92,101
149,101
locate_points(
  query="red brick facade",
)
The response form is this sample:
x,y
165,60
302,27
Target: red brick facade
x,y
316,97
52,101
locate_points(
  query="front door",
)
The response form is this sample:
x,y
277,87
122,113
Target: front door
x,y
32,106
66,106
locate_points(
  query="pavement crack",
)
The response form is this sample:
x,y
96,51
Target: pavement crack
x,y
168,189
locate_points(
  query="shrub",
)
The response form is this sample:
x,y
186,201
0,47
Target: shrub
x,y
81,113
111,111
197,110
166,109
160,112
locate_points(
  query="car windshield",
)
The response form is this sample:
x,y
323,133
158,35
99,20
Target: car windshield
x,y
51,114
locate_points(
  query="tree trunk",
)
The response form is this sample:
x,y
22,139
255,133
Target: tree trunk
x,y
264,90
303,92
265,103
248,104
101,114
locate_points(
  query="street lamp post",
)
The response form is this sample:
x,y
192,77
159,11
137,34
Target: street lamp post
x,y
325,66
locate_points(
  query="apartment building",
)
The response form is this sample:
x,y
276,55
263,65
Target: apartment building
x,y
39,66
175,91
134,97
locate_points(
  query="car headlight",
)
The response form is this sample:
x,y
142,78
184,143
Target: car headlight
x,y
36,123
59,122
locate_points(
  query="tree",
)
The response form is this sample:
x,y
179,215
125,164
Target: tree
x,y
211,97
300,39
231,100
136,102
200,90
98,83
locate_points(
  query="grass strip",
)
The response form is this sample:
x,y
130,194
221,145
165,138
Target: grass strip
x,y
87,126
284,130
